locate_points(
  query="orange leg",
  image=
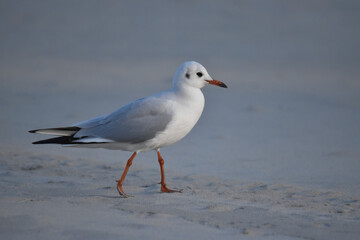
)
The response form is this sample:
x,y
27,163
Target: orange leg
x,y
163,185
120,182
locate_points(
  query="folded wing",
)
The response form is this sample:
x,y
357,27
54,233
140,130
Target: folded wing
x,y
136,122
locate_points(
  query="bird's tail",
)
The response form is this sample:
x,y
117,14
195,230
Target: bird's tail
x,y
65,135
63,131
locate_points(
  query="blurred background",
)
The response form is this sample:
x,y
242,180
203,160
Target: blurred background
x,y
291,113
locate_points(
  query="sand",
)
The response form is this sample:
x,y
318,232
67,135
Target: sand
x,y
274,156
59,197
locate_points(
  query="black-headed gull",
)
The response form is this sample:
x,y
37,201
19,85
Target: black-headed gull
x,y
146,124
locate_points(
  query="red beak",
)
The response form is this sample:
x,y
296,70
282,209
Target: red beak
x,y
217,83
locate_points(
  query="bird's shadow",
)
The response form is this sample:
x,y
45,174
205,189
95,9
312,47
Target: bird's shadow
x,y
105,196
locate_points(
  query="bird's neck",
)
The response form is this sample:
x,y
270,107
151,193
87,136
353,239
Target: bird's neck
x,y
191,97
187,92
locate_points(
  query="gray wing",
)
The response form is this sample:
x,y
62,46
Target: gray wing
x,y
136,122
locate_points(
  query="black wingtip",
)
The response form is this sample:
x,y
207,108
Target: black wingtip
x,y
32,131
56,140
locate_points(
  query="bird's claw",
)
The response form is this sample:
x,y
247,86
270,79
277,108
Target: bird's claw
x,y
164,189
122,193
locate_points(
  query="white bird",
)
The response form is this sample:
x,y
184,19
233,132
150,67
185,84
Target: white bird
x,y
146,124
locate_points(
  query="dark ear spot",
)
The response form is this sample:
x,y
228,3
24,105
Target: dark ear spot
x,y
187,75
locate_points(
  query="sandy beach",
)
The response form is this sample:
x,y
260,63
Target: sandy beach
x,y
59,197
274,156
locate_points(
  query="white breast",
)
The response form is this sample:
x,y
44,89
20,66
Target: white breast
x,y
186,114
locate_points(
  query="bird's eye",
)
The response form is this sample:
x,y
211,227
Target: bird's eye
x,y
199,74
187,75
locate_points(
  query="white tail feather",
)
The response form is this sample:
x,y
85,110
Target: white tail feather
x,y
93,140
66,131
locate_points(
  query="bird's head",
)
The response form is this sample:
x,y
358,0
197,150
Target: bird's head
x,y
194,74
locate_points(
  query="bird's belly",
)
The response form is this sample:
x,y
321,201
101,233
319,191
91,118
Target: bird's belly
x,y
177,129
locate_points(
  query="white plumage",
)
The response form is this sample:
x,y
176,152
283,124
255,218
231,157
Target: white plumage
x,y
146,124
